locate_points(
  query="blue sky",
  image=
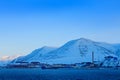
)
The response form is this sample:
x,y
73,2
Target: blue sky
x,y
29,24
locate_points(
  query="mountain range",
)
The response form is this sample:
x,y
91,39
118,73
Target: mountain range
x,y
74,51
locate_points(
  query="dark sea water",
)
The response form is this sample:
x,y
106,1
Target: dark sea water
x,y
59,74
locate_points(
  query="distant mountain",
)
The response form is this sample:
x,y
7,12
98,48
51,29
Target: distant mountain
x,y
35,55
75,51
4,60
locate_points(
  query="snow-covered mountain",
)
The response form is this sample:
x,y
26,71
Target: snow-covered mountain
x,y
35,55
80,50
8,58
74,51
4,60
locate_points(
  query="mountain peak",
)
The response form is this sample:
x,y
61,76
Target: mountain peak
x,y
83,39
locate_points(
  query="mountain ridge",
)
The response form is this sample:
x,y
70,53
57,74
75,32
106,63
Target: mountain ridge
x,y
74,51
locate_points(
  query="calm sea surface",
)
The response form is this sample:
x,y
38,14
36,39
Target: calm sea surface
x,y
59,74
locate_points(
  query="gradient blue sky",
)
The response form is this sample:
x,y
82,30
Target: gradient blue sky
x,y
29,24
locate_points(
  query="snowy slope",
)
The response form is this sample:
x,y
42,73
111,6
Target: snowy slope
x,y
36,55
4,60
8,58
75,51
117,47
79,50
